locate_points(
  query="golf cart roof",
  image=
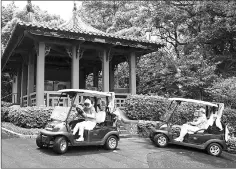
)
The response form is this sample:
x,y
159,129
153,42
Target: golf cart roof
x,y
83,92
194,101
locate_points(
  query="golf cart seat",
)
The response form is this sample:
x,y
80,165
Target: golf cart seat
x,y
214,125
100,118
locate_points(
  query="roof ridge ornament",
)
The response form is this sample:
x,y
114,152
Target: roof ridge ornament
x,y
30,11
75,8
29,6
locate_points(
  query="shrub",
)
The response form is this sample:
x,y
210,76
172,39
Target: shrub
x,y
141,107
4,114
229,117
224,91
27,117
231,144
5,104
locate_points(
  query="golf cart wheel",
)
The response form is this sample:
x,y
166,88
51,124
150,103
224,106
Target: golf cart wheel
x,y
60,145
214,149
161,140
111,143
39,142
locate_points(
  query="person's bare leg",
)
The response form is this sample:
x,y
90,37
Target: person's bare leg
x,y
76,128
81,133
183,132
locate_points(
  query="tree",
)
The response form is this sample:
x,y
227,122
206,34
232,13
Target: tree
x,y
7,13
157,73
224,91
14,14
196,76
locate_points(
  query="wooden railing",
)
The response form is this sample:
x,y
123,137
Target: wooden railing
x,y
51,99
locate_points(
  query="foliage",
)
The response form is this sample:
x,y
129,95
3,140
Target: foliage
x,y
229,117
7,13
190,30
12,15
224,91
27,117
6,87
157,75
197,75
142,107
122,75
231,144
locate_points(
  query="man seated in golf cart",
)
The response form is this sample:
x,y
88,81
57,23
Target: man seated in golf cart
x,y
89,113
199,122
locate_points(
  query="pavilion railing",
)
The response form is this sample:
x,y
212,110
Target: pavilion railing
x,y
51,99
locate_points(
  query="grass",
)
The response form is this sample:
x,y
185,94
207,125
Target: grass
x,y
19,130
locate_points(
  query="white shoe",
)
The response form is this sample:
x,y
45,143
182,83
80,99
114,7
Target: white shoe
x,y
178,139
80,139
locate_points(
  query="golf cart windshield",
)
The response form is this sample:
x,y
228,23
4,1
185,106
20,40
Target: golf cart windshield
x,y
170,109
60,113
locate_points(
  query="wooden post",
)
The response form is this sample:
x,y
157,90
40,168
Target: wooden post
x,y
132,73
14,89
19,85
75,69
105,72
40,75
30,77
23,82
111,79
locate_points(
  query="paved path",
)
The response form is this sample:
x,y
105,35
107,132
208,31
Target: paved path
x,y
131,153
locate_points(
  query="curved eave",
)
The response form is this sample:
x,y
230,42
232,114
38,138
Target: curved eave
x,y
16,36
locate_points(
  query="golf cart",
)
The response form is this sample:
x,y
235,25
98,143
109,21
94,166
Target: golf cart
x,y
58,132
212,138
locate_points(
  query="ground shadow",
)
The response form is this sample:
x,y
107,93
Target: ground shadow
x,y
77,150
198,155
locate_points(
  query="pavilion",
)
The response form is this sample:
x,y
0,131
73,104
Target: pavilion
x,y
45,59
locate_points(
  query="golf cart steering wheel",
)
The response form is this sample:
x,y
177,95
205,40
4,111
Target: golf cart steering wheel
x,y
79,109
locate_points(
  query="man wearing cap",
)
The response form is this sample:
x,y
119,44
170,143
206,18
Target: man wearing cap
x,y
199,122
90,119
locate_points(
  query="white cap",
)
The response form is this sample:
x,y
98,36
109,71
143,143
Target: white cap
x,y
88,101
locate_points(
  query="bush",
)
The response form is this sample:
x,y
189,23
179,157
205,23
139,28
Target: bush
x,y
27,117
140,107
229,117
5,104
224,91
231,144
4,114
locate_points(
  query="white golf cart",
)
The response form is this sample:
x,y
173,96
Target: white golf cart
x,y
58,132
213,138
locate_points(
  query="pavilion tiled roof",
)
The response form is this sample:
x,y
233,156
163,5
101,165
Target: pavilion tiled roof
x,y
69,30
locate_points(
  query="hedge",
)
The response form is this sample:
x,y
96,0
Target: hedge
x,y
27,117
